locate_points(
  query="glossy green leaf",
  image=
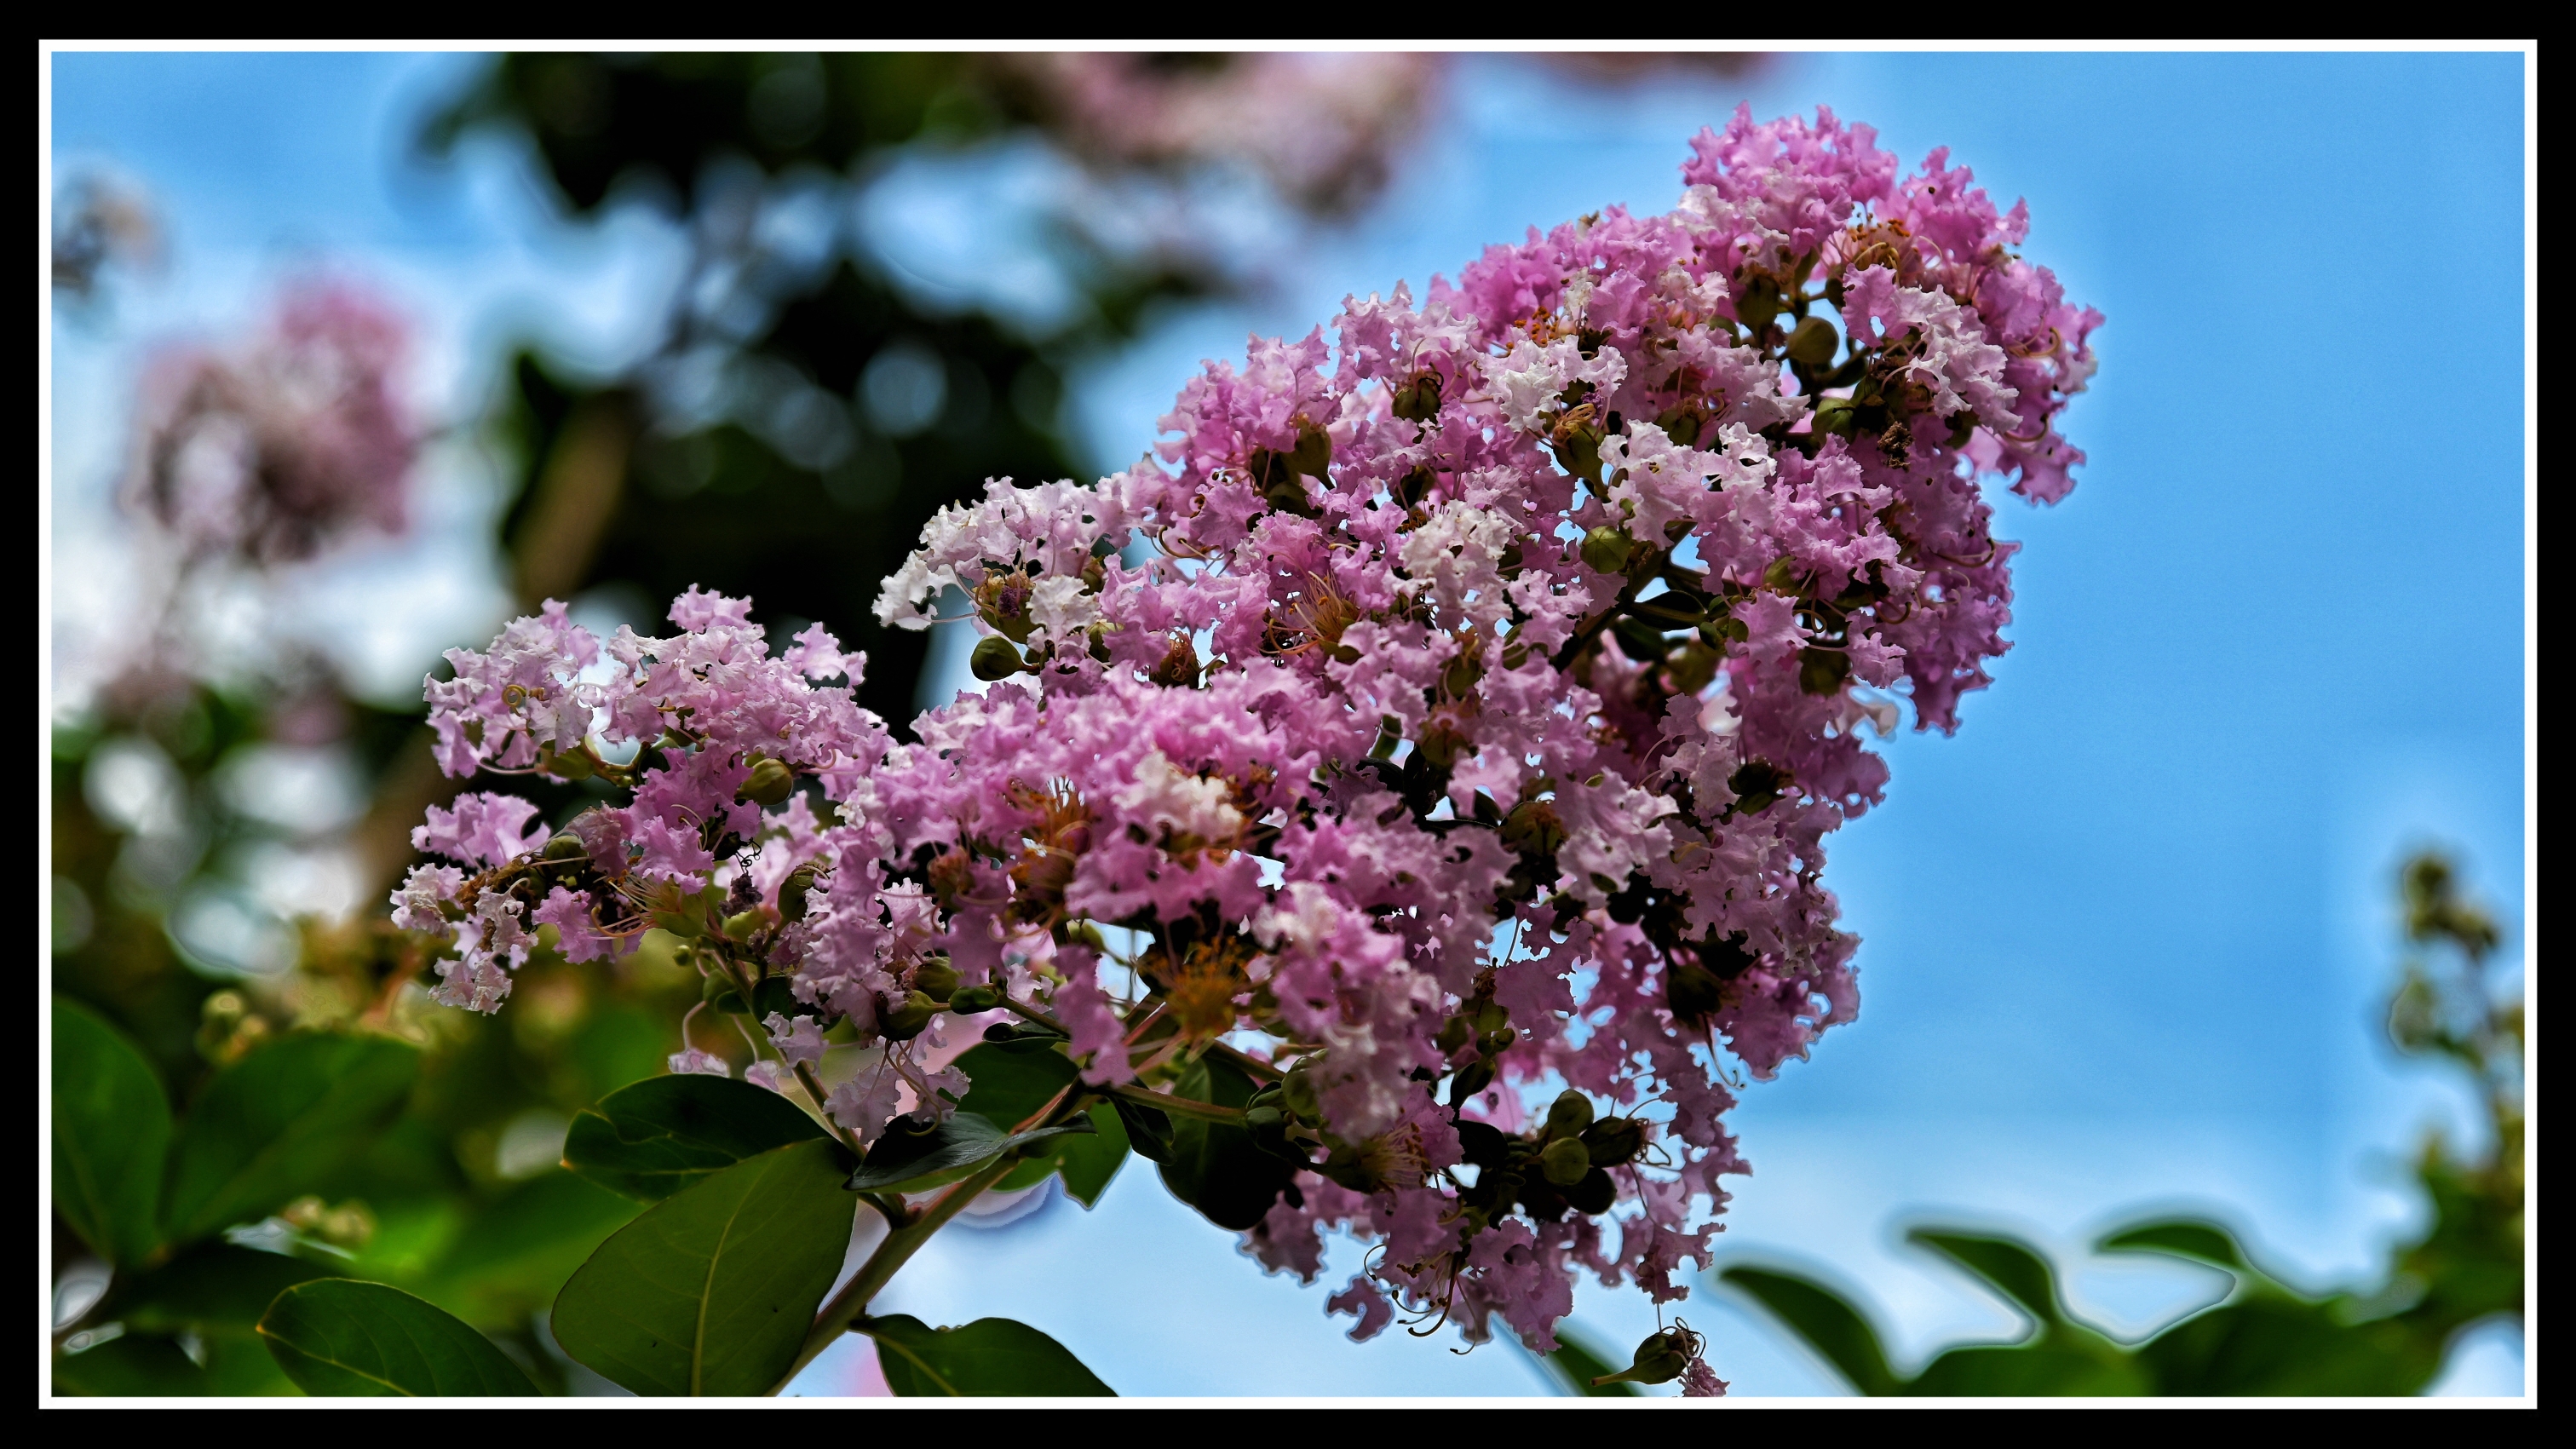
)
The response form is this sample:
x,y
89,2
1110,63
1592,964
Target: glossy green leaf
x,y
1824,1320
1218,1168
662,1134
1576,1363
1148,1129
340,1338
711,1291
988,1358
279,1124
135,1365
1086,1160
209,1286
111,1136
1009,1086
908,1161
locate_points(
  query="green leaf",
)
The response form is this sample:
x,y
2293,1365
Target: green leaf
x,y
1218,1168
1148,1129
2271,1344
136,1366
340,1338
909,1161
1576,1363
2032,1370
988,1358
278,1124
1011,1086
1826,1321
212,1285
1087,1160
712,1290
514,1256
2193,1238
658,1136
111,1136
2010,1266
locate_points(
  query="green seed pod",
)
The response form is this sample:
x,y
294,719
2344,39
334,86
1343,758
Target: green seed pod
x,y
770,782
907,1021
936,979
995,660
1593,1195
742,926
1569,1114
1613,1140
1837,416
566,847
973,1000
1564,1162
1495,1043
1606,549
1314,451
1813,342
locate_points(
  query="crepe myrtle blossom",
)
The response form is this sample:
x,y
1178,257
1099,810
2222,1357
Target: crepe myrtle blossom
x,y
275,451
1436,741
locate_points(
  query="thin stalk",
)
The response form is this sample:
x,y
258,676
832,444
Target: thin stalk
x,y
1181,1105
885,1262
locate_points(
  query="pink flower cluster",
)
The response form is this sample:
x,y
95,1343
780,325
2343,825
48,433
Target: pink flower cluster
x,y
274,453
712,730
1319,127
1443,732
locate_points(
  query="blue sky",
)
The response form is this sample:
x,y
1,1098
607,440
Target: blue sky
x,y
2125,935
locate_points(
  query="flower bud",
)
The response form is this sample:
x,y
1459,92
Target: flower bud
x,y
994,660
791,892
1660,1360
1606,549
1532,828
566,847
770,782
907,1021
1813,342
1498,1041
1613,1140
1297,1093
973,1000
935,978
1569,1114
1593,1194
744,925
1564,1162
1265,1116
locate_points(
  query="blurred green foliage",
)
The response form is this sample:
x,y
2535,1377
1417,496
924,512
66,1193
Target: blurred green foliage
x,y
2264,1337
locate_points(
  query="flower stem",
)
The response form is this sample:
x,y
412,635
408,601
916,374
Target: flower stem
x,y
1181,1105
846,1306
